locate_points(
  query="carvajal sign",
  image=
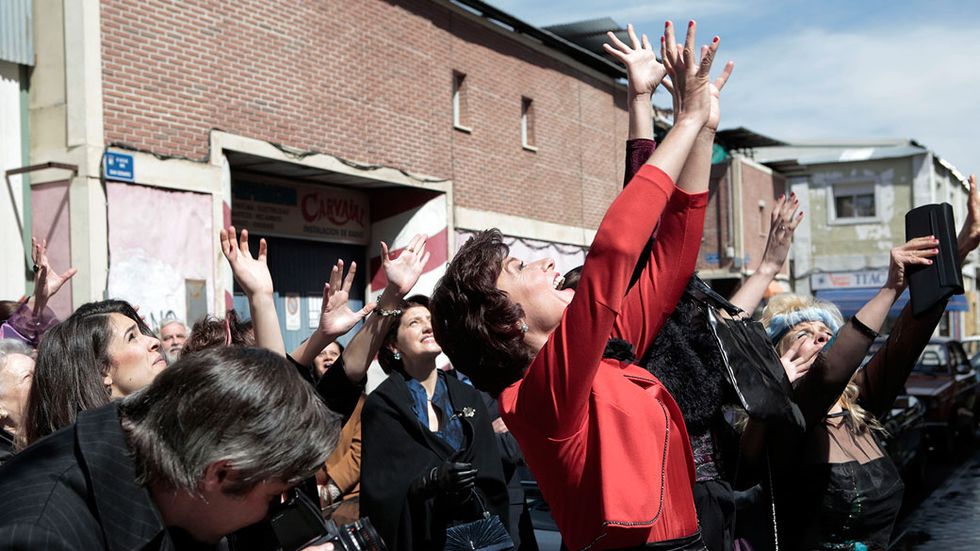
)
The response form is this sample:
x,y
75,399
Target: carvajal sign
x,y
307,212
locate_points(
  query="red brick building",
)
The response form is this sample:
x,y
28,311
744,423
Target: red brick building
x,y
324,126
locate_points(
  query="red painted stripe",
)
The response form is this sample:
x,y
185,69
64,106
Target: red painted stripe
x,y
386,203
438,247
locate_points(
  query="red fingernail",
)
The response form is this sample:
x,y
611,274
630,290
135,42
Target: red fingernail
x,y
690,23
715,40
662,40
666,24
781,195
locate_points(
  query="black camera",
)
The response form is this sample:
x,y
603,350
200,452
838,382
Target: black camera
x,y
297,524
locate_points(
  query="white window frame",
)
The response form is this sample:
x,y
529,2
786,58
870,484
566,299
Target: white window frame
x,y
458,79
845,189
527,105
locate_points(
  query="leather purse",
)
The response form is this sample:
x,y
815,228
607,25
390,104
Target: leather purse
x,y
751,365
943,278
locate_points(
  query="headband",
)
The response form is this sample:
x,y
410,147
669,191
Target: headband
x,y
782,323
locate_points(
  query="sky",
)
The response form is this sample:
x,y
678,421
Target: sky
x,y
830,69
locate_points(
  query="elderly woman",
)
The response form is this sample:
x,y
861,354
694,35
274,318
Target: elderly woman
x,y
834,487
16,372
102,351
605,440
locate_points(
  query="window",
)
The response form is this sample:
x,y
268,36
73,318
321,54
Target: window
x,y
853,203
461,118
528,140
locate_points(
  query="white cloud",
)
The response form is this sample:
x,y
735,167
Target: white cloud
x,y
917,82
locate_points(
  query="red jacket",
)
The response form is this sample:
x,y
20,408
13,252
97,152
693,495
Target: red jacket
x,y
605,439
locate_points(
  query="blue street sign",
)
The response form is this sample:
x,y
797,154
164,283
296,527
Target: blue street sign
x,y
119,166
712,258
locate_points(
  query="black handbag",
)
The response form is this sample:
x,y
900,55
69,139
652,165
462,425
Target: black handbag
x,y
751,364
487,533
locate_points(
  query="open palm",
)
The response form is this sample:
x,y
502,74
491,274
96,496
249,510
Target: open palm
x,y
336,316
251,273
404,270
645,72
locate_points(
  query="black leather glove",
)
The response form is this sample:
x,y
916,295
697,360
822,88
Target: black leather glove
x,y
448,478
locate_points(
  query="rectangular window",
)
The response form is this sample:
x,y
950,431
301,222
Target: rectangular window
x,y
853,202
528,139
461,119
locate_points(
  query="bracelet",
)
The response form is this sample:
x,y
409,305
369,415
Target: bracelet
x,y
388,313
864,329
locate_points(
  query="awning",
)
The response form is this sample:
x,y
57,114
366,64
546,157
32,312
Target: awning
x,y
853,299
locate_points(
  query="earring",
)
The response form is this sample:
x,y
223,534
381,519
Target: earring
x,y
523,327
398,355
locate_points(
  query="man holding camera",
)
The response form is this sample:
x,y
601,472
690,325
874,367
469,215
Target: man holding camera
x,y
197,455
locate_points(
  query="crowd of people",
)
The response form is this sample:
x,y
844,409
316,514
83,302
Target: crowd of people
x,y
603,382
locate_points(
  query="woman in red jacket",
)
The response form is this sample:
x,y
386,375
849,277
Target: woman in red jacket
x,y
605,440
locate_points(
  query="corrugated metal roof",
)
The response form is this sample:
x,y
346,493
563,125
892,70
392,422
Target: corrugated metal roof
x,y
17,31
830,154
590,34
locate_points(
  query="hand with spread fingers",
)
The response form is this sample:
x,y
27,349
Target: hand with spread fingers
x,y
644,70
918,251
783,223
251,273
403,271
47,281
336,317
689,75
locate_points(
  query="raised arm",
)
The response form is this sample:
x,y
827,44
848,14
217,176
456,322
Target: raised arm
x,y
401,272
32,319
834,368
883,378
663,274
782,224
336,317
252,275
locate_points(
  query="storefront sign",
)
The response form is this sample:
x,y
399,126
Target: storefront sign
x,y
843,280
301,211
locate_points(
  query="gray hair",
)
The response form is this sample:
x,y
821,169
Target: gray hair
x,y
12,346
167,321
248,406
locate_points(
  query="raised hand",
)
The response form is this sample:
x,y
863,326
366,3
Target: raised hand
x,y
645,72
336,317
918,251
796,362
47,282
404,270
783,223
252,274
969,237
689,74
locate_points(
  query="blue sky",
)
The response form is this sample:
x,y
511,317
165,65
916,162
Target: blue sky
x,y
830,69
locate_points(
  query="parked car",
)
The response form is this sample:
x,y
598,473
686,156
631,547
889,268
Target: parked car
x,y
946,383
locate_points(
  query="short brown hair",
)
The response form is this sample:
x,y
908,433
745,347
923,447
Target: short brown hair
x,y
474,322
211,332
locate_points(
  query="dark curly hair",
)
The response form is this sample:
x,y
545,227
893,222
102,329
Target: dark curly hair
x,y
474,322
211,331
686,359
385,356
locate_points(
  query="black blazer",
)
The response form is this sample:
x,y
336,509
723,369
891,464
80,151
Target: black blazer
x,y
397,449
76,490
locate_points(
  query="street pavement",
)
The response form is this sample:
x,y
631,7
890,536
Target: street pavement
x,y
949,519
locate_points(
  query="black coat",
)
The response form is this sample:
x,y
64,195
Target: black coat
x,y
76,489
397,449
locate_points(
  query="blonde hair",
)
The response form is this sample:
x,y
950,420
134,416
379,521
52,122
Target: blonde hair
x,y
787,303
859,419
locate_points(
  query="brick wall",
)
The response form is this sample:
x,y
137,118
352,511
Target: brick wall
x,y
370,81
